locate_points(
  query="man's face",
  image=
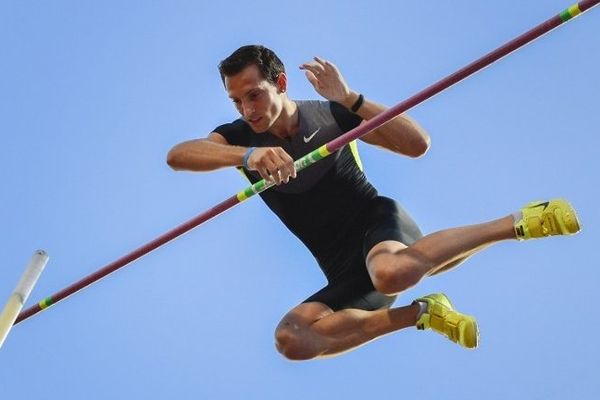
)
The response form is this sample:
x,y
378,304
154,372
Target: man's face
x,y
258,100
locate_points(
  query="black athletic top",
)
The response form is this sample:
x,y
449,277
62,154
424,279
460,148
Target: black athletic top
x,y
325,200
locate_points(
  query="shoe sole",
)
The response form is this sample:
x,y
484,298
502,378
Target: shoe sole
x,y
469,332
567,218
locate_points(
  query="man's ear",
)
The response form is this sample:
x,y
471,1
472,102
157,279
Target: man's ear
x,y
282,82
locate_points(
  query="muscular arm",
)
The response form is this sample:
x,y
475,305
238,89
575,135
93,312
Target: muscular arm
x,y
401,135
205,154
272,163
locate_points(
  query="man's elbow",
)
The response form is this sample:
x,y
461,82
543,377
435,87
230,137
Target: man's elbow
x,y
420,147
175,159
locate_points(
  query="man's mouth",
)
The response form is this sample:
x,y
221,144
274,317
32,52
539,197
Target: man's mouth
x,y
254,121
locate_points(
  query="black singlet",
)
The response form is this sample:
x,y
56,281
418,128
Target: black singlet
x,y
330,206
324,200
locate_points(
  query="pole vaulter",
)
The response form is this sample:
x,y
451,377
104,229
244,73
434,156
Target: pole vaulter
x,y
321,152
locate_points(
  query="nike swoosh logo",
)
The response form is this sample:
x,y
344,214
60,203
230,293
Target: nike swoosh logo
x,y
545,204
308,139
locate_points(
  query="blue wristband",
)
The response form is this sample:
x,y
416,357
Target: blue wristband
x,y
247,156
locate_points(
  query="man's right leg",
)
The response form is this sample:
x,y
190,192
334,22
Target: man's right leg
x,y
313,330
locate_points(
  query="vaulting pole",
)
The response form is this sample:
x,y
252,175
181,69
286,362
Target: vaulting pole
x,y
322,151
19,296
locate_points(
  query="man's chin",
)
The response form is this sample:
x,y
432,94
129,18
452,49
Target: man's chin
x,y
258,126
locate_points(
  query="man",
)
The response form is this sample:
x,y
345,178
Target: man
x,y
367,246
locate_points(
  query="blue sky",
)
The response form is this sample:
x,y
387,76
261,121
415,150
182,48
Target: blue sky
x,y
94,94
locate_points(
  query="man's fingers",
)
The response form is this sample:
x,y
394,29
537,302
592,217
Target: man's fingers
x,y
322,62
327,66
291,170
272,172
285,174
275,165
315,68
264,172
288,168
282,173
312,78
276,177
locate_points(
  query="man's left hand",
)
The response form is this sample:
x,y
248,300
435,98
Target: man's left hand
x,y
328,81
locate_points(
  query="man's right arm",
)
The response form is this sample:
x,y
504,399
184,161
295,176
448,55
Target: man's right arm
x,y
214,152
205,154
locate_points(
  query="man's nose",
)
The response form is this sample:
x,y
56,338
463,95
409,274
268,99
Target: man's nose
x,y
247,109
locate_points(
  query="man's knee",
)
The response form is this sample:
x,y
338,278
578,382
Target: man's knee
x,y
394,270
294,343
391,279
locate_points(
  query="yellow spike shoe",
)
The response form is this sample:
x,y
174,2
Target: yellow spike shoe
x,y
549,218
442,318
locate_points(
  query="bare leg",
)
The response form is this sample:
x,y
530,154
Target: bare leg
x,y
394,267
313,330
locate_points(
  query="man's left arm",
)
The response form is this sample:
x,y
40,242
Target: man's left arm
x,y
400,135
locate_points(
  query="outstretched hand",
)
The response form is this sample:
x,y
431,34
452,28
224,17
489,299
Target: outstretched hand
x,y
327,80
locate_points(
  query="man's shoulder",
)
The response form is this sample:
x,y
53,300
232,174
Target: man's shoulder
x,y
319,110
313,105
237,132
344,118
238,124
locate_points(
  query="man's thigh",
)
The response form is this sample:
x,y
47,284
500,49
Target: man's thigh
x,y
355,292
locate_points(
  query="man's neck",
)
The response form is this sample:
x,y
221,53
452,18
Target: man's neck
x,y
287,123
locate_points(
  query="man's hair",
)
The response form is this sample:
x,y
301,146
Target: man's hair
x,y
269,65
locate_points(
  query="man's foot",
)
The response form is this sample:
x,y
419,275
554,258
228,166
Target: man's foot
x,y
441,317
540,219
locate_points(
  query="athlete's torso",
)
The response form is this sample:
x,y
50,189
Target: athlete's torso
x,y
325,199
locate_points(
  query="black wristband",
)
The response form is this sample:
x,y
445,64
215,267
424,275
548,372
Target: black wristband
x,y
357,103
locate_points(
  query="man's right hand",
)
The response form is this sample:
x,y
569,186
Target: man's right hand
x,y
273,164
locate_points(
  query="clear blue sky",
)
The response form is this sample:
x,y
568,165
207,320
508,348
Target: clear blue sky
x,y
94,94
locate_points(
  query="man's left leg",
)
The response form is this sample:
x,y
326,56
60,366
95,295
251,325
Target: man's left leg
x,y
395,267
